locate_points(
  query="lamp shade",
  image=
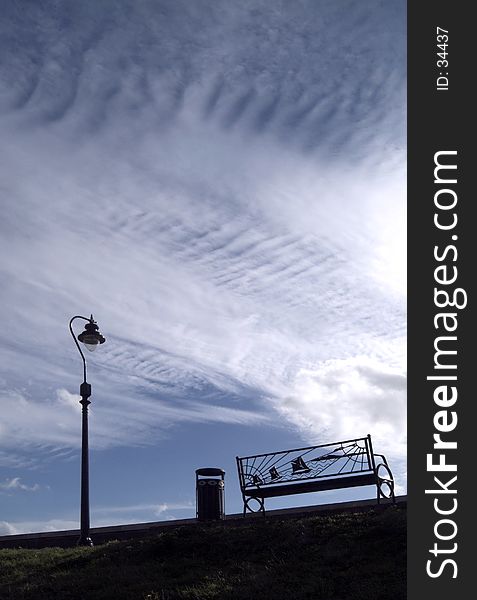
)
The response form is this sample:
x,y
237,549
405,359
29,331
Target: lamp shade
x,y
91,336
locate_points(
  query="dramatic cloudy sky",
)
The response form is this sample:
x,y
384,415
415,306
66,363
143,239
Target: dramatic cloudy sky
x,y
222,184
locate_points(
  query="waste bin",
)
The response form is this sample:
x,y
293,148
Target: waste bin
x,y
210,494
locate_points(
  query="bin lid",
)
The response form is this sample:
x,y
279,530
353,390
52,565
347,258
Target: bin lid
x,y
210,471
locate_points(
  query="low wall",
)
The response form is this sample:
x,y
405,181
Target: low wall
x,y
100,535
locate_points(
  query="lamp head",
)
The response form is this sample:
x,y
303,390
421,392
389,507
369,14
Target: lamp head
x,y
91,337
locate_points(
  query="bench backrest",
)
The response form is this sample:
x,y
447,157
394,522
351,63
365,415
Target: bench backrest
x,y
339,459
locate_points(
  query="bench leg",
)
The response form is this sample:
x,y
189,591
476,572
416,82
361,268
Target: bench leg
x,y
379,495
246,505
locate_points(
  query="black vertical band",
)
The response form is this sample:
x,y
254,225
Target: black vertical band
x,y
441,299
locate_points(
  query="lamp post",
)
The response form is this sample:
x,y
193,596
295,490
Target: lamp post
x,y
91,338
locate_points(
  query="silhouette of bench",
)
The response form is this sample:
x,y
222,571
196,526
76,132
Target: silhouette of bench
x,y
345,464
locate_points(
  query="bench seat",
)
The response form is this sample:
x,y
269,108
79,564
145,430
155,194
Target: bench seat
x,y
303,487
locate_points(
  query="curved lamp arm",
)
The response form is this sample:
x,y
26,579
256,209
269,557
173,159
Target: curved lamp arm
x,y
77,345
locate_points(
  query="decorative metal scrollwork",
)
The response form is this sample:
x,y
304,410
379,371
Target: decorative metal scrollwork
x,y
385,481
339,458
260,502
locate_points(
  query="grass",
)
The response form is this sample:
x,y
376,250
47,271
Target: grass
x,y
359,556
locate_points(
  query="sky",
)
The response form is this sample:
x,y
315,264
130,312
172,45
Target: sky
x,y
222,185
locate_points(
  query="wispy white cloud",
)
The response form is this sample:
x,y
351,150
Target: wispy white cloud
x,y
346,396
54,424
7,528
18,527
105,516
15,484
157,509
11,459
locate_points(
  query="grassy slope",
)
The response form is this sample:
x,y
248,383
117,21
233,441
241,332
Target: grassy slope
x,y
345,557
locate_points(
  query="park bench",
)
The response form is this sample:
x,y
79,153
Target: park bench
x,y
345,464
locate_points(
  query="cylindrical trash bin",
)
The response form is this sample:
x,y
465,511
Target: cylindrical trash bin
x,y
210,494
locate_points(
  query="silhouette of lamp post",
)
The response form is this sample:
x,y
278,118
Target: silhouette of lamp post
x,y
91,338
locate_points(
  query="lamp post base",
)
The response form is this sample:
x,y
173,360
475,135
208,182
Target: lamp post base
x,y
84,541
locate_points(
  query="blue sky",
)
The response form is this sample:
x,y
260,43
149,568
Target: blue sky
x,y
222,185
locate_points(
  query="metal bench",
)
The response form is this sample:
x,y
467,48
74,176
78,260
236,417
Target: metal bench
x,y
345,464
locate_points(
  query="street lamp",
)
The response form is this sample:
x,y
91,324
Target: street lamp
x,y
91,338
